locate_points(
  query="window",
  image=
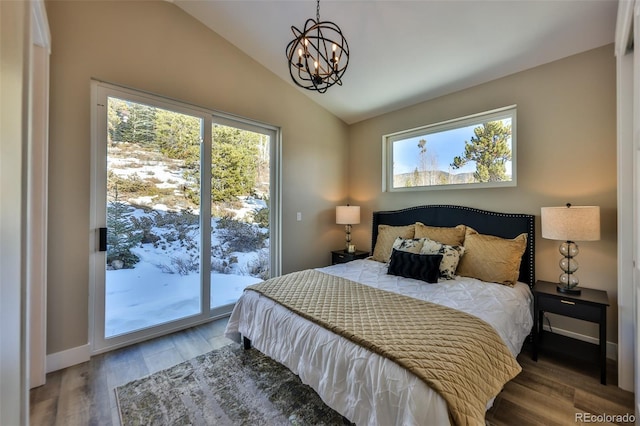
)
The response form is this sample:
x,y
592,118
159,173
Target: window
x,y
470,152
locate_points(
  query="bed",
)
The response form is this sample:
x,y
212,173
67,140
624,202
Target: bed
x,y
359,380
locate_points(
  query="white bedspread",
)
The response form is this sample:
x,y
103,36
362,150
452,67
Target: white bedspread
x,y
362,386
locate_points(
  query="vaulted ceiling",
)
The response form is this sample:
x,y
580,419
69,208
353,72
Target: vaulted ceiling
x,y
405,52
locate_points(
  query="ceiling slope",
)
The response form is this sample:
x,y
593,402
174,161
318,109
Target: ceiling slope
x,y
405,52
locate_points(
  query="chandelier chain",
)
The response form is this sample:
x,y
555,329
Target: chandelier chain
x,y
318,11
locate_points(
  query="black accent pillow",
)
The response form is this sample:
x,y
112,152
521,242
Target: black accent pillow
x,y
424,267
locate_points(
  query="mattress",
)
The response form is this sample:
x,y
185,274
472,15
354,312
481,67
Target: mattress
x,y
362,386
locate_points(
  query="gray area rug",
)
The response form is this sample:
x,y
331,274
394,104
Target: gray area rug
x,y
228,386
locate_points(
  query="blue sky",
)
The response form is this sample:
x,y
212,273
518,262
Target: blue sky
x,y
447,145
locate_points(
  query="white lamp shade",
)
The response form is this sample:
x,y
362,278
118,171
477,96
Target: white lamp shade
x,y
575,223
347,215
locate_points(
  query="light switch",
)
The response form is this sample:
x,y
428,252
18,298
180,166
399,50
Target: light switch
x,y
299,216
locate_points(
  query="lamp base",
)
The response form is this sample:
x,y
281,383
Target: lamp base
x,y
573,291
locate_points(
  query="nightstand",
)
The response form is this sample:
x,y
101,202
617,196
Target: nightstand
x,y
590,305
341,256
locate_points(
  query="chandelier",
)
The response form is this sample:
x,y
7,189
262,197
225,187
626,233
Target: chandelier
x,y
319,55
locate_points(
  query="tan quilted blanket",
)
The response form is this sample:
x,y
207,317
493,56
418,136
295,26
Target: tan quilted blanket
x,y
456,354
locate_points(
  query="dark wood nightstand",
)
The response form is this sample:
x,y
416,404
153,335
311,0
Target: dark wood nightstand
x,y
590,305
341,256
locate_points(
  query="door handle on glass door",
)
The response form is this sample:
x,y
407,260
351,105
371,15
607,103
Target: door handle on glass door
x,y
102,241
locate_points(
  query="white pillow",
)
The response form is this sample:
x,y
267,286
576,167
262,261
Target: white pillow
x,y
450,256
412,245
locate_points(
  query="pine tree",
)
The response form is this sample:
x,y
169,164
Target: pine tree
x,y
122,236
489,149
132,122
178,136
234,165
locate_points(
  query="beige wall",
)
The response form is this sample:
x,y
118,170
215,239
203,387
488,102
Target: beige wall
x,y
155,47
566,147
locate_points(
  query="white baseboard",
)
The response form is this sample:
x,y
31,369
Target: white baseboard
x,y
612,348
68,358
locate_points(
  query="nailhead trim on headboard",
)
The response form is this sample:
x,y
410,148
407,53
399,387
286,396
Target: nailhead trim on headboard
x,y
505,225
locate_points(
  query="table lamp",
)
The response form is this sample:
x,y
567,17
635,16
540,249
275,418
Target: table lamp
x,y
570,224
347,216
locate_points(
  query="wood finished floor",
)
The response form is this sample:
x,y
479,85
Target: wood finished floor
x,y
548,392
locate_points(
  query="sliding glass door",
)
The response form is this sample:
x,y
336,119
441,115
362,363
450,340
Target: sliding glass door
x,y
183,214
240,210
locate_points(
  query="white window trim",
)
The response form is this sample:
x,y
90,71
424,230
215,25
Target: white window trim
x,y
492,115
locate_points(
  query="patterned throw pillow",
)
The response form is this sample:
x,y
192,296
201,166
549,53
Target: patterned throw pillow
x,y
450,256
412,245
387,235
424,267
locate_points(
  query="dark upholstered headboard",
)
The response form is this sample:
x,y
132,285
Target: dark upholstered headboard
x,y
505,225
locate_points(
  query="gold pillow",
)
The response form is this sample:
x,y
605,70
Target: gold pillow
x,y
451,236
387,235
492,259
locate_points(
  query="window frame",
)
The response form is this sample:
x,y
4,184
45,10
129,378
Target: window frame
x,y
388,141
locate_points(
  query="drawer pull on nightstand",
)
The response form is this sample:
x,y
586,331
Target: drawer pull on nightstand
x,y
567,302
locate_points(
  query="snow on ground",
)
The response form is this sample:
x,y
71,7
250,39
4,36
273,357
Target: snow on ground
x,y
167,171
145,296
249,205
148,295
